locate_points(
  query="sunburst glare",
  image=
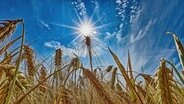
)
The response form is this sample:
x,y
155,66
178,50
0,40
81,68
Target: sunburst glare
x,y
87,32
87,29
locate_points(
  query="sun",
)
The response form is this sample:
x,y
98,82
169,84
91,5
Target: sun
x,y
86,29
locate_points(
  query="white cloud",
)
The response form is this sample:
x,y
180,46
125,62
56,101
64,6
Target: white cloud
x,y
108,36
118,1
80,50
80,7
57,45
117,34
95,3
122,7
44,24
52,44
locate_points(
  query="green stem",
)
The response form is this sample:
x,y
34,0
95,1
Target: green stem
x,y
178,74
16,71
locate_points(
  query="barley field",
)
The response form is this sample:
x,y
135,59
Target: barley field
x,y
72,83
91,52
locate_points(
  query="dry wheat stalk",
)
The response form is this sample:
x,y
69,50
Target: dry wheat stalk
x,y
109,68
100,90
4,83
7,27
165,84
29,56
65,97
58,57
113,78
131,85
3,49
42,76
6,75
7,59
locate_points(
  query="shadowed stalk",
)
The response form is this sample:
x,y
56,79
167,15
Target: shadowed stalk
x,y
57,61
88,44
130,67
179,47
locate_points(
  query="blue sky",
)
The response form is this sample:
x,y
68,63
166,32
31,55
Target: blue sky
x,y
137,25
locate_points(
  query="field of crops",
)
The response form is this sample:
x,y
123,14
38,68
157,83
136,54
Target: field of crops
x,y
71,83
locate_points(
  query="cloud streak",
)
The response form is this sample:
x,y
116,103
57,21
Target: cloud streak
x,y
142,32
44,24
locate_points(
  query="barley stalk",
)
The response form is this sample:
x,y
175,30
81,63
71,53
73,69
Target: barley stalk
x,y
16,71
100,90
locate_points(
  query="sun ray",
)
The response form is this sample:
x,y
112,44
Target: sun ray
x,y
107,25
97,20
105,48
78,17
91,17
62,25
76,38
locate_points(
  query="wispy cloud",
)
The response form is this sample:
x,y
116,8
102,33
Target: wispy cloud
x,y
142,32
44,25
141,39
149,60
